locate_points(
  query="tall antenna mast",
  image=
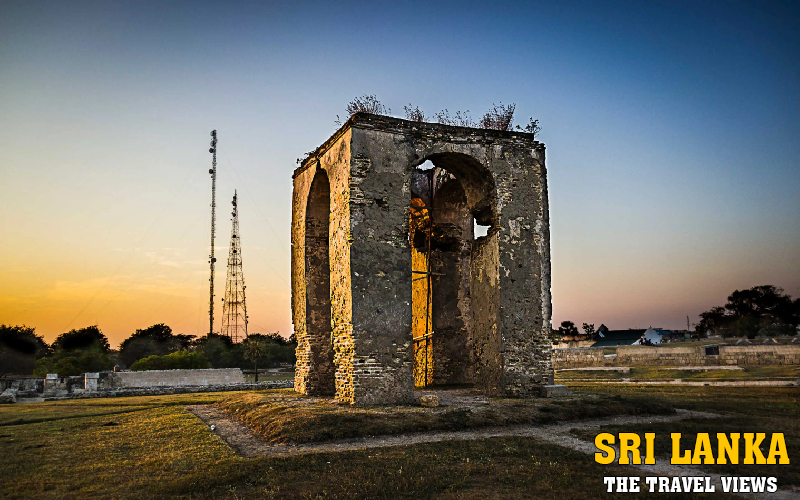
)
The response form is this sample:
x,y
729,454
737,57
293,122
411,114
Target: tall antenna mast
x,y
234,306
212,260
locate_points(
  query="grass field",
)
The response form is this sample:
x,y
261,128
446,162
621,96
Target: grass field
x,y
151,447
744,409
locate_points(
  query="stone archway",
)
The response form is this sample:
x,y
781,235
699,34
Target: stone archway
x,y
316,345
455,343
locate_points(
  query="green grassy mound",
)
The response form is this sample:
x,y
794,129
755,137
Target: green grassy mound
x,y
287,418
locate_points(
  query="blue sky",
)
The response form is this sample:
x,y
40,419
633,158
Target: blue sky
x,y
671,132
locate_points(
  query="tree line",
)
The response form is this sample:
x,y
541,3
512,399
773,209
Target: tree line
x,y
762,310
22,352
758,311
569,330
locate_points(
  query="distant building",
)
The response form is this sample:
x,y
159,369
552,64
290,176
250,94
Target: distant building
x,y
657,335
612,338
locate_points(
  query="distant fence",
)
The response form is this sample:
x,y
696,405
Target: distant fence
x,y
705,355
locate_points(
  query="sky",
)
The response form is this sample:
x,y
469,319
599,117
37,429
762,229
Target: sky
x,y
671,129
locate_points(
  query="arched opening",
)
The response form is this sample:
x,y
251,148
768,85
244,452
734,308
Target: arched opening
x,y
321,369
454,273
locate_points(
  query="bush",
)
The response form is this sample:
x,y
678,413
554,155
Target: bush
x,y
75,352
499,117
154,340
174,361
69,363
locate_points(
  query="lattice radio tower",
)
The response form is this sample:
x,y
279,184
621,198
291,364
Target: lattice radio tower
x,y
212,259
234,307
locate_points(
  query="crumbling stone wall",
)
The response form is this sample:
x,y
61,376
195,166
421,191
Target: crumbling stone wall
x,y
495,306
169,378
752,355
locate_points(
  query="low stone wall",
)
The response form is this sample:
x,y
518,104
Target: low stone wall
x,y
60,386
578,358
22,384
169,378
164,390
118,384
663,356
708,355
760,355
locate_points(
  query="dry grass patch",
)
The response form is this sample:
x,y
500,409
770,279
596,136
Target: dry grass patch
x,y
163,451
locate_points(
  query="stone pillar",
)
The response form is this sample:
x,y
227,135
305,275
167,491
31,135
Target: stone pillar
x,y
90,382
50,384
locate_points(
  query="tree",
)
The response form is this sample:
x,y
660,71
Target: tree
x,y
256,348
83,338
75,352
712,320
568,329
760,301
20,347
174,361
220,351
761,310
155,340
588,329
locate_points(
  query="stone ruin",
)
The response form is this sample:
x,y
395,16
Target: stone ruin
x,y
391,288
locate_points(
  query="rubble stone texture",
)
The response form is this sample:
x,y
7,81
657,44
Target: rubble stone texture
x,y
368,224
429,401
704,355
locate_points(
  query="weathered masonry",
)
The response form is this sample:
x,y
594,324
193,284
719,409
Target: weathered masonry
x,y
392,286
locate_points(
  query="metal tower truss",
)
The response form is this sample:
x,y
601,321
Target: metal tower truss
x,y
211,259
234,307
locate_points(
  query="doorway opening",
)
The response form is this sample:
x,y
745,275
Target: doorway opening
x,y
321,370
449,198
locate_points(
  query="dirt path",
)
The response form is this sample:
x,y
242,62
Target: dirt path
x,y
239,437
